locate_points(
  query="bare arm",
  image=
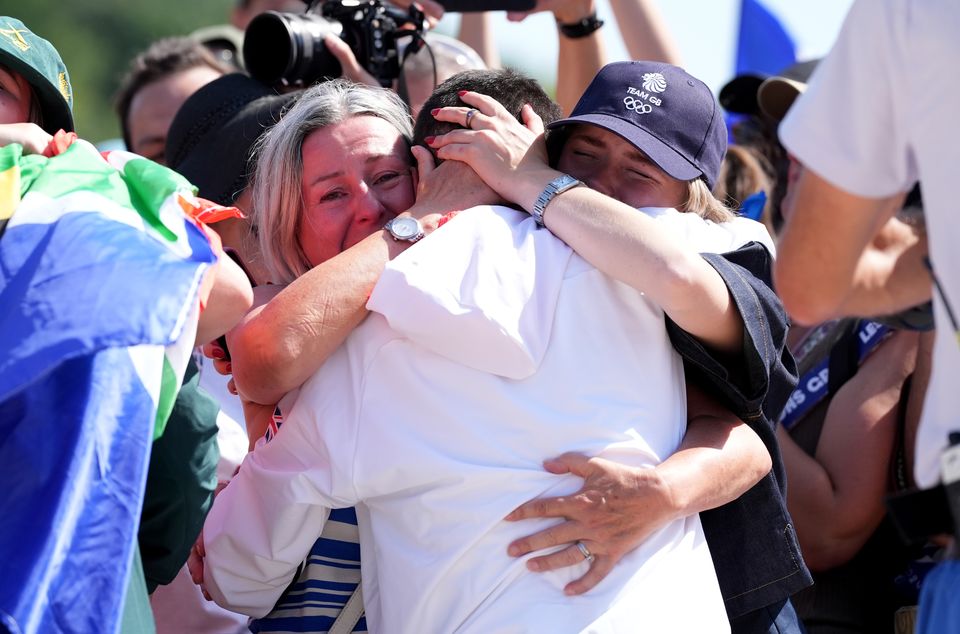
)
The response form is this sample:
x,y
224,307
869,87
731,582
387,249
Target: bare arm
x,y
578,59
633,248
719,459
477,33
862,265
230,298
626,245
645,32
836,496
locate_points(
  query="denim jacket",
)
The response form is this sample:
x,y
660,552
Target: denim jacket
x,y
752,539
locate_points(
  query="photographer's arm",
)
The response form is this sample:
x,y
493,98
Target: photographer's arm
x,y
578,59
644,31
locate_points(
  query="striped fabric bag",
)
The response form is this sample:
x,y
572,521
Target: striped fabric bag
x,y
101,282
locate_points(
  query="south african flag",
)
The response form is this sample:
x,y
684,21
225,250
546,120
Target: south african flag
x,y
101,281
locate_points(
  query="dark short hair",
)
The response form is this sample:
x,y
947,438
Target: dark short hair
x,y
509,87
162,59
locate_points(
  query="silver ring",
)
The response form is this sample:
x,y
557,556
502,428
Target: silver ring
x,y
585,552
470,113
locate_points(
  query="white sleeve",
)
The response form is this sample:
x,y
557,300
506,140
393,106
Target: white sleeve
x,y
849,126
264,523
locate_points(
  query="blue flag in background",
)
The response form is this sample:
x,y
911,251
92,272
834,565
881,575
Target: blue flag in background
x,y
763,45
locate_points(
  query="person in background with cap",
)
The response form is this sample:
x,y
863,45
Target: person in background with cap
x,y
755,129
878,116
36,99
648,134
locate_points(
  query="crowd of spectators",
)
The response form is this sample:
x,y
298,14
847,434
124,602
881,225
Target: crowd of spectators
x,y
656,371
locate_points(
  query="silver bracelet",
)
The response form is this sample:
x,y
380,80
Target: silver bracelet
x,y
555,187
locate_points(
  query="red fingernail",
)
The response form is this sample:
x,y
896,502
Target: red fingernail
x,y
218,353
429,139
435,111
230,368
462,92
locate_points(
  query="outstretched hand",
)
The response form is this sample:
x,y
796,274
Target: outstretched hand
x,y
616,509
510,157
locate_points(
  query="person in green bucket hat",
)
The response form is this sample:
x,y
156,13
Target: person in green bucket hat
x,y
40,68
36,99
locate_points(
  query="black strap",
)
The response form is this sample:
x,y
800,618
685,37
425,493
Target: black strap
x,y
844,357
581,28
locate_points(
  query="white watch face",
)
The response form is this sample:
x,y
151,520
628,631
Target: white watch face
x,y
404,228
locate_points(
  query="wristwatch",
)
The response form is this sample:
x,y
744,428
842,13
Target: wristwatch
x,y
581,28
404,228
555,187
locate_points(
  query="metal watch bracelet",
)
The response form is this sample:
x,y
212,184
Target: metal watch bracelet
x,y
554,188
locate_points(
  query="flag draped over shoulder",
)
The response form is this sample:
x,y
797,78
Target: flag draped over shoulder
x,y
101,277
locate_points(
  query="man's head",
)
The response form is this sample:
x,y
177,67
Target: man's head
x,y
648,134
510,88
34,80
159,81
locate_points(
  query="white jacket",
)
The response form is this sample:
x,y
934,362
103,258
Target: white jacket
x,y
491,347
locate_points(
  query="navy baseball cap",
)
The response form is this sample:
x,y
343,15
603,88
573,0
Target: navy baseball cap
x,y
660,109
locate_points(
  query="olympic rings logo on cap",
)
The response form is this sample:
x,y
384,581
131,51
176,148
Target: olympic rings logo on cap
x,y
637,105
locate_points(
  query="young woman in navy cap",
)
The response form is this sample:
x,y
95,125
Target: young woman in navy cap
x,y
650,136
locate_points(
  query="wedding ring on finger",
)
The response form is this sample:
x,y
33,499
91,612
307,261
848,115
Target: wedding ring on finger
x,y
470,113
585,552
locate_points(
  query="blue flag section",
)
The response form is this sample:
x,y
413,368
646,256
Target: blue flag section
x,y
75,447
763,46
98,302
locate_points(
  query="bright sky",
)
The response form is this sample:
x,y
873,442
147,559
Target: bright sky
x,y
705,31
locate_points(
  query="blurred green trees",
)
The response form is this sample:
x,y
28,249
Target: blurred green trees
x,y
98,38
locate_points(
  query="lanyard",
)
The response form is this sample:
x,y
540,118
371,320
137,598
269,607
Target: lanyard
x,y
814,384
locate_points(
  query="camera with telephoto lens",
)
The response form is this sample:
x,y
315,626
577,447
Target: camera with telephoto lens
x,y
289,48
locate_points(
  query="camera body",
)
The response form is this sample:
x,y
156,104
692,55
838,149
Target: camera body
x,y
289,48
